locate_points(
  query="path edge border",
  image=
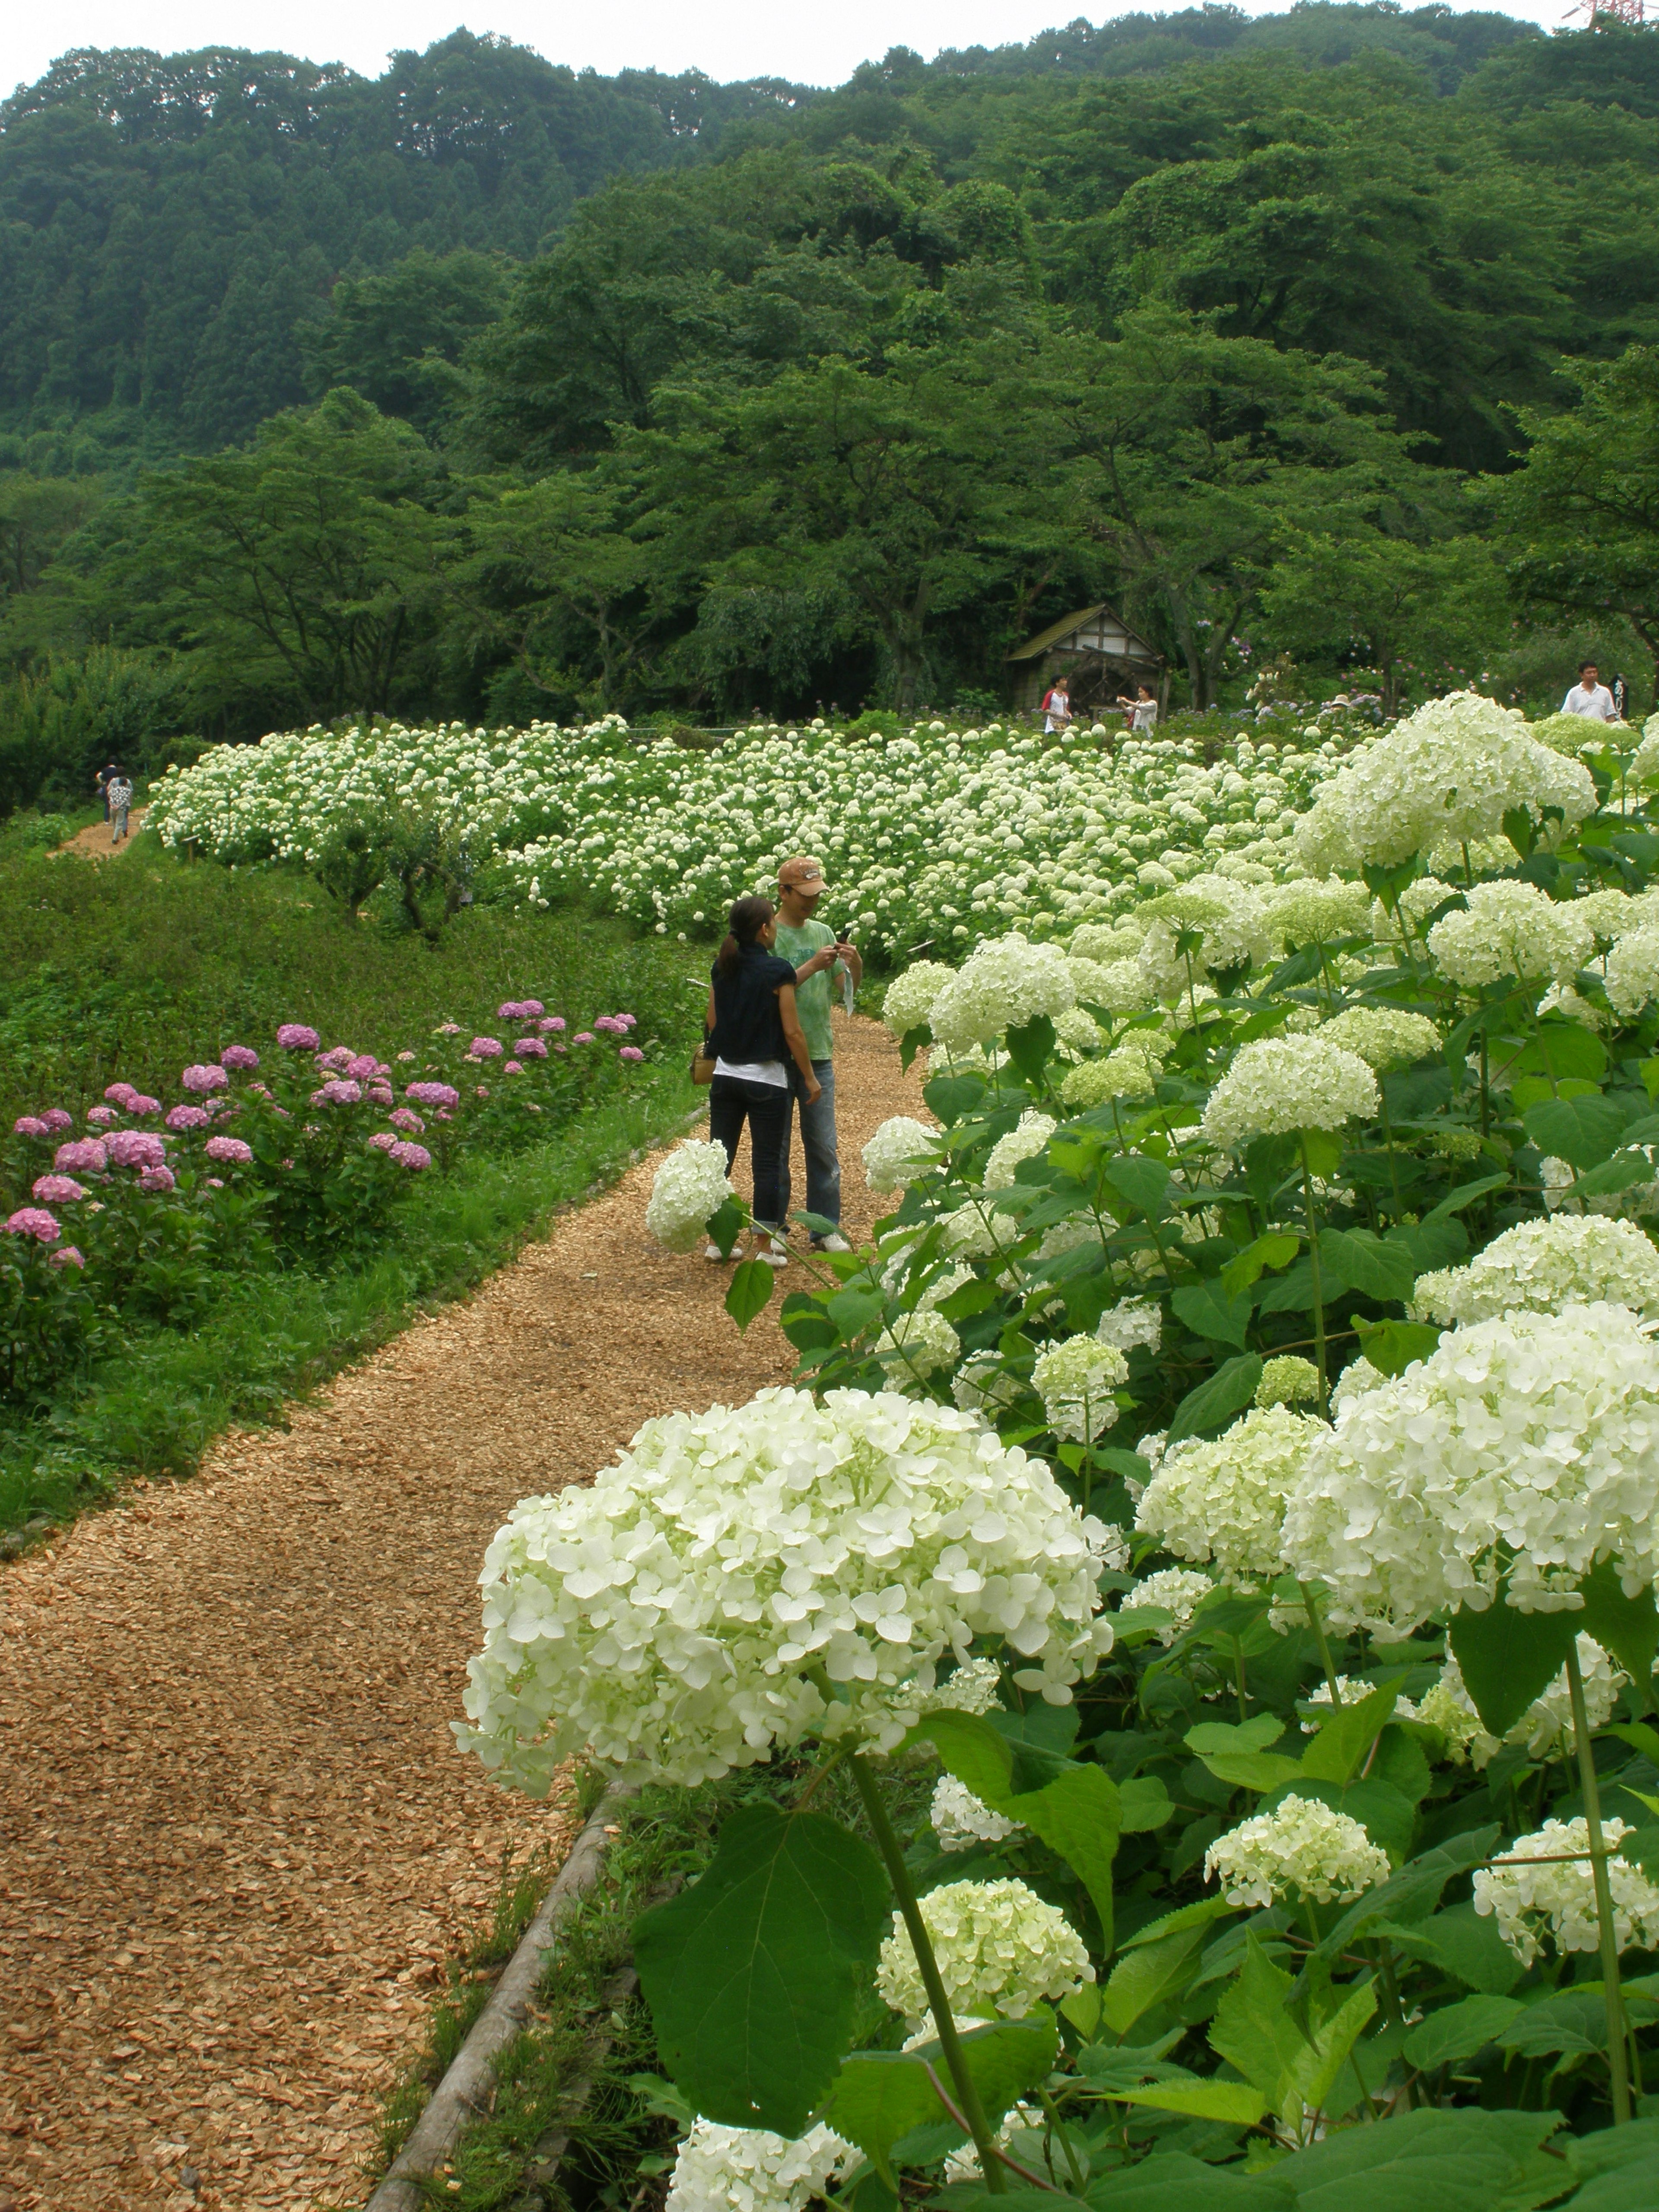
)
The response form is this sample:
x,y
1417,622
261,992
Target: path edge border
x,y
470,2078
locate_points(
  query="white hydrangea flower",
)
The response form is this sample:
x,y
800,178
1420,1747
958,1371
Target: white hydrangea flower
x,y
1546,1724
1131,1322
1309,913
1001,1949
902,1149
976,1231
1539,1266
1229,918
1023,1143
1356,1378
1631,971
1555,1898
1445,775
975,1687
1075,1380
1121,1074
1104,942
1178,1591
960,1819
1278,1085
1077,1032
1287,1381
661,1619
984,1385
908,1003
1383,1037
1419,900
1301,1851
1510,929
1353,1688
721,2169
1538,1433
690,1187
1225,1501
1003,985
917,1345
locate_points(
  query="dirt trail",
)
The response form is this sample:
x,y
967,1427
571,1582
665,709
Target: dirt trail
x,y
93,843
235,1835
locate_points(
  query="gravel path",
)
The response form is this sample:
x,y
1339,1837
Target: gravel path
x,y
236,1839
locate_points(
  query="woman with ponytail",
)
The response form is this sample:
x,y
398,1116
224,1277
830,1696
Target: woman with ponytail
x,y
756,1039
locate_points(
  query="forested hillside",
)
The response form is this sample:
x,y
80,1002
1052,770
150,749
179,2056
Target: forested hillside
x,y
486,388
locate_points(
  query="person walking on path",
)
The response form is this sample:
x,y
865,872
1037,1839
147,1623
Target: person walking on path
x,y
1057,709
1590,697
814,951
755,1031
100,784
117,798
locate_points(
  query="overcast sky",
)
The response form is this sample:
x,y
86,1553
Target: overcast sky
x,y
811,45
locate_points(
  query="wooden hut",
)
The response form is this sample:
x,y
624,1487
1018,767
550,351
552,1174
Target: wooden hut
x,y
1098,654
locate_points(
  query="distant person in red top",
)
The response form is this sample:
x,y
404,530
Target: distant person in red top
x,y
1057,709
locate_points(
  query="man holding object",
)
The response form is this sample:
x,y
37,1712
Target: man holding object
x,y
811,948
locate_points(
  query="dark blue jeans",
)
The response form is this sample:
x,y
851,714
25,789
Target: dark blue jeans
x,y
765,1107
818,1137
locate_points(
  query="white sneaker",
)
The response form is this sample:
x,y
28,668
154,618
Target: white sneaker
x,y
715,1253
834,1242
775,1254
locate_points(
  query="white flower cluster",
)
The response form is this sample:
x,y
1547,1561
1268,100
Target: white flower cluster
x,y
1301,1851
690,1187
960,1819
1353,1688
1510,929
908,1002
1554,1898
1002,1950
1178,1591
1001,986
1224,1501
1024,1143
1278,1085
663,1617
1287,1381
1546,1726
916,1345
1132,1324
901,1150
1537,1435
721,2169
1125,1073
1383,1037
1539,1266
1445,775
1631,971
1076,1379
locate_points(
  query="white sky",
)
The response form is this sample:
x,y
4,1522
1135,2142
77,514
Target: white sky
x,y
809,43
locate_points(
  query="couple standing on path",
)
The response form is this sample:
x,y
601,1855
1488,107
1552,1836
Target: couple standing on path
x,y
768,1011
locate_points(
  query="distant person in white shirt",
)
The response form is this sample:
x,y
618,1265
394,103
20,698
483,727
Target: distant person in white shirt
x,y
1590,697
1057,709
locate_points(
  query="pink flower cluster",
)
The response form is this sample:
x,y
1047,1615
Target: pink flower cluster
x,y
101,1116
80,1156
34,1221
238,1055
208,1077
295,1036
530,1048
406,1119
189,1117
135,1148
57,1189
484,1048
157,1179
337,1091
432,1094
520,1010
229,1152
130,1101
552,1026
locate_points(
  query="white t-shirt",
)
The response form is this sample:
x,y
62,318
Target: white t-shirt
x,y
1595,704
1057,712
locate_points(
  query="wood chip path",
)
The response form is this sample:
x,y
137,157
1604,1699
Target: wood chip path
x,y
93,843
236,1838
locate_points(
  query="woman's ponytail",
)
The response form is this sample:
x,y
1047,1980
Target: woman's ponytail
x,y
743,925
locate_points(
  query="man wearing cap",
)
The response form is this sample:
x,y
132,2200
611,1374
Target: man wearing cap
x,y
811,947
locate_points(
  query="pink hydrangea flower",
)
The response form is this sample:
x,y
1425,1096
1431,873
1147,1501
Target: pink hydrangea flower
x,y
210,1076
120,1094
630,1052
484,1048
583,1037
444,1113
238,1055
412,1157
628,1021
380,1093
406,1119
551,1025
611,1026
483,1091
213,1182
520,1010
56,1190
512,1067
34,1221
295,1037
56,1121
229,1152
448,1029
383,1141
29,1125
530,1048
432,1094
337,1091
337,1059
82,1156
156,1179
364,1067
189,1117
68,1256
101,1116
405,1055
140,1104
135,1148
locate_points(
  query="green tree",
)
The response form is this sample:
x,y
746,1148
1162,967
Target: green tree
x,y
1579,521
395,336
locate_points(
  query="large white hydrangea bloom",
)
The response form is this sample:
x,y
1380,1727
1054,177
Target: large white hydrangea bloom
x,y
1121,1074
1510,929
1444,775
1632,971
1278,1085
689,1186
1383,1037
960,1819
1556,1899
1539,1266
1302,1850
1178,1591
663,1618
1224,1501
902,1149
1002,1950
916,1345
1001,986
721,2169
1546,1724
1537,1432
1131,1322
1077,1379
909,1003
1023,1143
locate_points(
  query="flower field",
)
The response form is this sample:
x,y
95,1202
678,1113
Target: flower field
x,y
1232,1475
